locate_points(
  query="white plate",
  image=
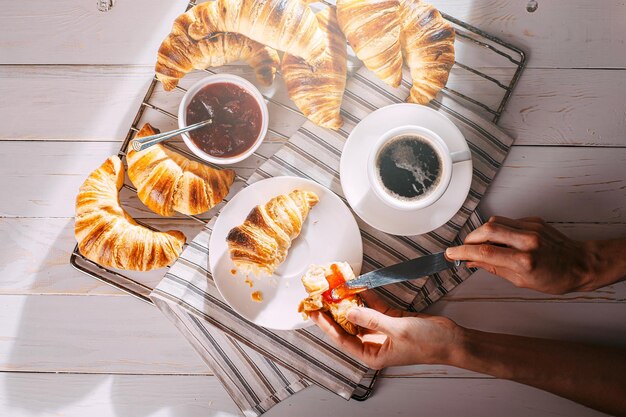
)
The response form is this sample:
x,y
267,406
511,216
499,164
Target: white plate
x,y
354,178
329,234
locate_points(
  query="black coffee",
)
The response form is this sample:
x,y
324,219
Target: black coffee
x,y
409,168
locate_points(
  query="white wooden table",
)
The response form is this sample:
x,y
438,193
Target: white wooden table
x,y
71,79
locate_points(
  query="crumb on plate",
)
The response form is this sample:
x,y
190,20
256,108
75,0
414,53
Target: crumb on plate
x,y
249,282
257,296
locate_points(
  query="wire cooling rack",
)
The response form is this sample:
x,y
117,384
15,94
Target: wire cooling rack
x,y
486,63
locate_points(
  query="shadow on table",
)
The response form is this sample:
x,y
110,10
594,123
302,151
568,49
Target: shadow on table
x,y
76,344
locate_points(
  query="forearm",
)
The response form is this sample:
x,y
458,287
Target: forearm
x,y
590,375
607,262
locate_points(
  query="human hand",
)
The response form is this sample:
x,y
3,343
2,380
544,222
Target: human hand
x,y
532,254
393,337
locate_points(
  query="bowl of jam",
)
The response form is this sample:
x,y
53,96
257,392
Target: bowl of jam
x,y
239,118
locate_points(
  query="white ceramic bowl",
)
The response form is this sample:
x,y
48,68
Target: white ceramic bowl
x,y
223,78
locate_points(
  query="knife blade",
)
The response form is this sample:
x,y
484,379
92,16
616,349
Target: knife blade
x,y
404,271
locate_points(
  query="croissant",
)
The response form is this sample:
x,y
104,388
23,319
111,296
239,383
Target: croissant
x,y
261,243
285,25
428,45
317,89
179,54
107,235
373,30
319,281
167,182
425,39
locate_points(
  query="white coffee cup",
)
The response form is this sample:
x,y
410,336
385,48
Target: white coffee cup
x,y
446,157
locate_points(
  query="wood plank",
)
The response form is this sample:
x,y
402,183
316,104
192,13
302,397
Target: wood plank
x,y
74,32
568,107
80,91
549,107
581,39
73,161
122,335
560,185
573,321
34,259
589,179
113,335
197,396
35,254
483,286
85,103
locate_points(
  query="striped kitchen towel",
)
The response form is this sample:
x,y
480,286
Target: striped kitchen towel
x,y
260,367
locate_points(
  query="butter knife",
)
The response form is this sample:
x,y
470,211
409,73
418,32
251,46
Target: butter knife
x,y
404,271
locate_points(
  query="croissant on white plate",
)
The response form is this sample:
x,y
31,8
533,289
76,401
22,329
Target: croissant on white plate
x,y
167,182
179,54
319,281
383,31
317,89
108,235
286,25
260,244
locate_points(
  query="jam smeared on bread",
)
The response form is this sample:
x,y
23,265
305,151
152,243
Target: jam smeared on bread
x,y
335,279
319,281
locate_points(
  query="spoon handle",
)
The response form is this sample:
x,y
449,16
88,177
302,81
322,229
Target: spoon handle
x,y
140,144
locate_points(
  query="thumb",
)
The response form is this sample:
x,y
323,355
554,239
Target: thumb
x,y
370,319
454,253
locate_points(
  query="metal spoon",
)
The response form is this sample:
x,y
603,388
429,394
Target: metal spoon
x,y
140,144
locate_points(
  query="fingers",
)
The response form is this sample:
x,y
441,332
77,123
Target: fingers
x,y
502,272
493,232
371,319
531,224
339,336
488,254
545,228
525,223
373,338
375,301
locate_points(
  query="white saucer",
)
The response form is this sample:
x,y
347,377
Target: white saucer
x,y
356,186
330,233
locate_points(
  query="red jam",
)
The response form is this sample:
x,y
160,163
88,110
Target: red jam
x,y
236,118
335,279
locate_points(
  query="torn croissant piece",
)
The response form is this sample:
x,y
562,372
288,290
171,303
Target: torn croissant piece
x,y
109,236
260,244
288,26
317,89
373,30
167,182
319,281
428,46
179,54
